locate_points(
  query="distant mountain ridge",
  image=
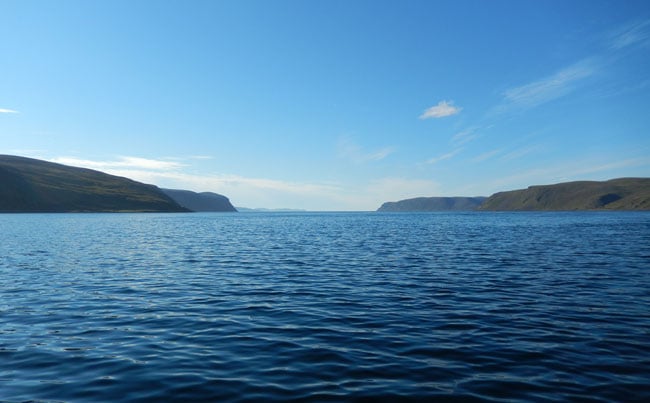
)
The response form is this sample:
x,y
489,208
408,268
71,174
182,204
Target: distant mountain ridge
x,y
614,194
32,185
203,202
433,204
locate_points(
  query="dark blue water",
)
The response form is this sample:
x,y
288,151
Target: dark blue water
x,y
178,307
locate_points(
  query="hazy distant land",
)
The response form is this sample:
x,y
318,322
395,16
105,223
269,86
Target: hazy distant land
x,y
268,210
31,185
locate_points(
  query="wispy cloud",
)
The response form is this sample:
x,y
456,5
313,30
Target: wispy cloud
x,y
579,170
549,88
121,163
243,191
26,152
520,152
444,157
3,110
370,195
487,155
631,162
350,150
264,192
443,109
563,82
247,191
634,33
393,188
465,136
224,181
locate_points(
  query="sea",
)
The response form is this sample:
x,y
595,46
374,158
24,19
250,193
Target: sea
x,y
476,306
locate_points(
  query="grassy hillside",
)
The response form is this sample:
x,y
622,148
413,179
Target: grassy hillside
x,y
433,204
615,194
30,185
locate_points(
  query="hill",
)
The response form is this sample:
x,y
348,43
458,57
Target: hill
x,y
615,194
31,185
204,201
433,204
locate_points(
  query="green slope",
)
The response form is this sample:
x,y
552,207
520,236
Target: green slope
x,y
31,185
615,194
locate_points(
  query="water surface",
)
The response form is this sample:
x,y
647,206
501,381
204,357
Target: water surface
x,y
330,306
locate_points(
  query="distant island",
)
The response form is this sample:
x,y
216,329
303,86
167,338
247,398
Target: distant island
x,y
32,185
433,204
616,194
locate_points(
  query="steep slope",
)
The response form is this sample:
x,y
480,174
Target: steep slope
x,y
31,185
433,204
615,194
204,201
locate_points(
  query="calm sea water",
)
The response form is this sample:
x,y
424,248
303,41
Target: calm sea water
x,y
188,307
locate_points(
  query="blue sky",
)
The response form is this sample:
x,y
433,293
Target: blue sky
x,y
330,105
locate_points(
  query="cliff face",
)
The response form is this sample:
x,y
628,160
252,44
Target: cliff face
x,y
31,185
615,194
433,204
204,201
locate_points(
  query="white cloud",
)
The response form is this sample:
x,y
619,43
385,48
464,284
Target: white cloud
x,y
443,157
121,162
443,109
549,88
3,110
348,149
145,163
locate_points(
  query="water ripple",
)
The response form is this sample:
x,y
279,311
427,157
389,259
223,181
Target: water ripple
x,y
249,307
